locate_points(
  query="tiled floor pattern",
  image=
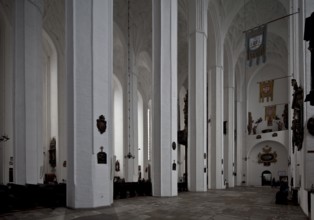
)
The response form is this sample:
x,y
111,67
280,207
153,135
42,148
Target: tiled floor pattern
x,y
240,203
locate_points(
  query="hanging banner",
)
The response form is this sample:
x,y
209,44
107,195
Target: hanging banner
x,y
256,44
270,114
266,89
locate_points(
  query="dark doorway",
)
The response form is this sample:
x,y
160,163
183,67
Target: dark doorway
x,y
266,178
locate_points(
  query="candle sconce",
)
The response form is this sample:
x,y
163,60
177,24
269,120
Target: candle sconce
x,y
4,138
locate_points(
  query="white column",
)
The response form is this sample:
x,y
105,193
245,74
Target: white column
x,y
230,136
145,147
28,115
216,147
241,152
89,70
197,120
132,122
6,84
165,22
293,68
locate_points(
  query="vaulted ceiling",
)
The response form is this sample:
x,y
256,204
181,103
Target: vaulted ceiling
x,y
227,19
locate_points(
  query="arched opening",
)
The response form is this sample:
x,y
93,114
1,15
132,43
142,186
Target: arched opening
x,y
140,118
149,138
6,100
266,155
266,178
52,163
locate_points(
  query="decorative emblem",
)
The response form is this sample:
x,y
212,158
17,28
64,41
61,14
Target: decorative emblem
x,y
174,145
275,134
101,124
267,157
310,126
117,166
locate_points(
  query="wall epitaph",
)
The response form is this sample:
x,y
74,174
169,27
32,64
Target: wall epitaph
x,y
267,157
183,134
101,156
52,153
297,121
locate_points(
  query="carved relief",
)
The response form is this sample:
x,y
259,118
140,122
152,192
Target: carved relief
x,y
52,153
183,134
250,123
285,116
297,122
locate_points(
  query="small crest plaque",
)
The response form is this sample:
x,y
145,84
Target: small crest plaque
x,y
101,124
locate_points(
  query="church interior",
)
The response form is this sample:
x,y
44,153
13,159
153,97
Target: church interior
x,y
107,99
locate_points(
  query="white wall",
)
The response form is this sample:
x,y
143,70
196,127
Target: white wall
x,y
280,95
255,169
50,106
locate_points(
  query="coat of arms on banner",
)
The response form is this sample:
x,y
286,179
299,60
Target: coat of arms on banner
x,y
256,44
270,114
266,90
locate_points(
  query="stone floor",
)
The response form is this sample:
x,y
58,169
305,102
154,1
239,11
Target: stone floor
x,y
240,203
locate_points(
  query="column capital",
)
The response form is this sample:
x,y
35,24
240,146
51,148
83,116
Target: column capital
x,y
216,67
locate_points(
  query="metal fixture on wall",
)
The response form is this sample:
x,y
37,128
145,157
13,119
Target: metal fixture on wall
x,y
4,138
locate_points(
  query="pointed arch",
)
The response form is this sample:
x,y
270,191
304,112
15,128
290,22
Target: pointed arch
x,y
51,104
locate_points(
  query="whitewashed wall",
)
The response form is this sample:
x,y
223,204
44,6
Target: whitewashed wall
x,y
256,169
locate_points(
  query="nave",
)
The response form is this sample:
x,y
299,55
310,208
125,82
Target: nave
x,y
239,203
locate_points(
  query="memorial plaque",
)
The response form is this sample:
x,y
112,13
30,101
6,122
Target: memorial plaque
x,y
101,156
174,165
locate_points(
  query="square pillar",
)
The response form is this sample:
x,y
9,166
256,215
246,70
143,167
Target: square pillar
x,y
164,160
89,50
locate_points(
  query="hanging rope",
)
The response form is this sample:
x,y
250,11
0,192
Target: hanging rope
x,y
282,77
272,21
129,155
